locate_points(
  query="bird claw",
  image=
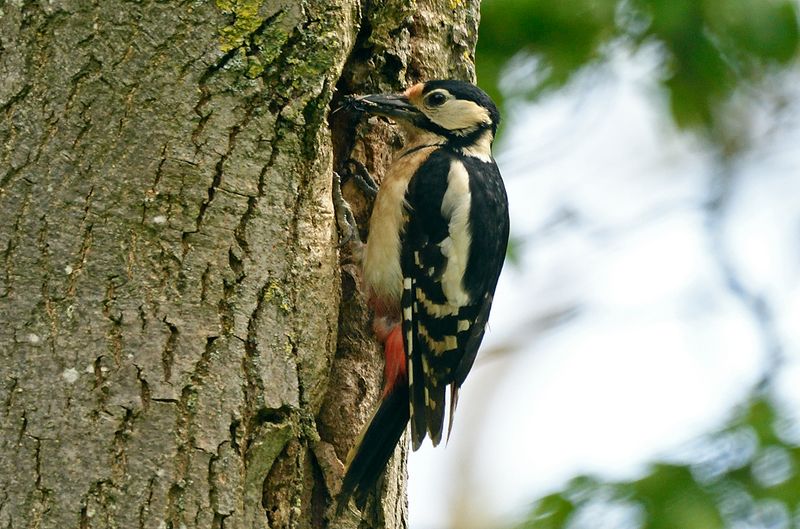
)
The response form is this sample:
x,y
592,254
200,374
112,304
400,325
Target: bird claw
x,y
360,175
344,214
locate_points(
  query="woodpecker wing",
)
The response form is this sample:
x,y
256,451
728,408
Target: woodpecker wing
x,y
453,250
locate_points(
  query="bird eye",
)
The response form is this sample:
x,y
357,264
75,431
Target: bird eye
x,y
436,99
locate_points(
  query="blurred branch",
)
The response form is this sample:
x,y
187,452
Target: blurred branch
x,y
721,190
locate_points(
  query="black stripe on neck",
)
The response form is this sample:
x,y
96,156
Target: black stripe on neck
x,y
420,147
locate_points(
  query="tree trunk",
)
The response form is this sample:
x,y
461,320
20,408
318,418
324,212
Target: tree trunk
x,y
170,277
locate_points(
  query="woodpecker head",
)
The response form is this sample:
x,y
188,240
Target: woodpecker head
x,y
459,112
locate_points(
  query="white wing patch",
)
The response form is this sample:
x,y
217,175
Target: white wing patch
x,y
455,247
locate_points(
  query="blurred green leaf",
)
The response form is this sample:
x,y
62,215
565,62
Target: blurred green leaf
x,y
567,34
550,512
673,499
742,476
710,47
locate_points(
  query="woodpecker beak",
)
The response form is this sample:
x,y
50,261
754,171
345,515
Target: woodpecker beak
x,y
389,105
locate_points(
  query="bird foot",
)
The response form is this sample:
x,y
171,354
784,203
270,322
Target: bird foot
x,y
360,175
344,214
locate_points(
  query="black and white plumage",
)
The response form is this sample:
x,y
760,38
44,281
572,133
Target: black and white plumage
x,y
437,242
452,251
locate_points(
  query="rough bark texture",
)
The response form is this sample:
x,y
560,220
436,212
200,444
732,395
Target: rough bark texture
x,y
169,274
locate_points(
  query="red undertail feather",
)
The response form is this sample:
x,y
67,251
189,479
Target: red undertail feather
x,y
377,442
394,371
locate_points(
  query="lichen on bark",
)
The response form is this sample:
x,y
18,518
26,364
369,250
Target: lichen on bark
x,y
169,273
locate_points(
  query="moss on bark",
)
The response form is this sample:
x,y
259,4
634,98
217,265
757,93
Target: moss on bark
x,y
169,274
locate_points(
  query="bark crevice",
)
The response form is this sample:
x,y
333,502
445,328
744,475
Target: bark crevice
x,y
170,287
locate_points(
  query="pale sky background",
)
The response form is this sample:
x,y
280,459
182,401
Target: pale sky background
x,y
615,339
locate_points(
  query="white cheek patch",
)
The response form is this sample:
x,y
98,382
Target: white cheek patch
x,y
458,114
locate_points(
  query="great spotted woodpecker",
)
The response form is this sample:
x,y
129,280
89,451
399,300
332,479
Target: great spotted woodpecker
x,y
437,240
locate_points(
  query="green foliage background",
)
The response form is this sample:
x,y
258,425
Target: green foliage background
x,y
709,48
745,475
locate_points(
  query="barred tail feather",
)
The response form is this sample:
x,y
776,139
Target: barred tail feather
x,y
368,458
453,404
435,401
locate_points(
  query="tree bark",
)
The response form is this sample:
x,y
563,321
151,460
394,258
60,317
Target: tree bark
x,y
169,272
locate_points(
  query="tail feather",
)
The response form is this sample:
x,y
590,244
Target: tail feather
x,y
453,404
435,411
368,458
